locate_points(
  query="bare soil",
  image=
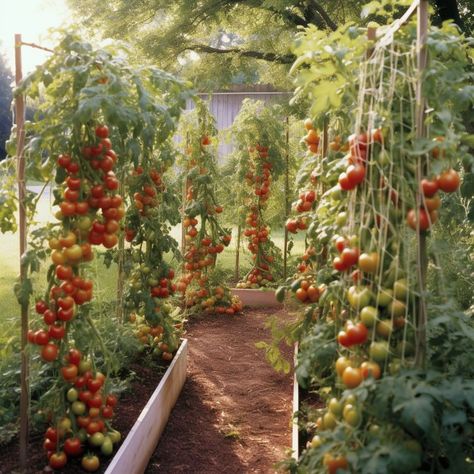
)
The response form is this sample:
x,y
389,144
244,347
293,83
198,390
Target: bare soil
x,y
234,414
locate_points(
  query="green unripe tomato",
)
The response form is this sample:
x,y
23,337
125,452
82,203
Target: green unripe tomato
x,y
379,351
335,407
107,447
369,316
384,297
341,219
400,289
329,421
97,439
72,395
351,415
78,408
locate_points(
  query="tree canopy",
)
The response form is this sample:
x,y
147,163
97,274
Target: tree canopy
x,y
235,40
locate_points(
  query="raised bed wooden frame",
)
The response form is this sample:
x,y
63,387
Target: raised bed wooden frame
x,y
139,445
256,298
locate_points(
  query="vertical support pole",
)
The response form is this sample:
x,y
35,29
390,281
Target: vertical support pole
x,y
237,253
422,258
120,261
287,196
20,136
371,36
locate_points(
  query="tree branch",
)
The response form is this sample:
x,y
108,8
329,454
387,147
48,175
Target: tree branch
x,y
273,57
323,14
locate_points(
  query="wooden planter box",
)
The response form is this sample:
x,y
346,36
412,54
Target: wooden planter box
x,y
256,298
139,445
295,433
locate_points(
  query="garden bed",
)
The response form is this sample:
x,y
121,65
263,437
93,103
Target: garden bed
x,y
148,381
257,298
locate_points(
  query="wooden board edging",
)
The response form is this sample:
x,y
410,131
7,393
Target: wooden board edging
x,y
256,298
139,445
295,433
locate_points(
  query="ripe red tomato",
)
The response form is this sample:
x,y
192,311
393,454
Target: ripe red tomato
x,y
424,219
74,356
107,412
344,182
339,265
428,187
357,333
67,208
82,208
111,400
56,331
341,243
41,307
73,167
49,317
343,339
72,446
64,160
64,272
65,314
41,337
95,384
49,352
350,256
66,303
69,372
448,181
97,191
102,131
52,434
110,240
355,174
58,460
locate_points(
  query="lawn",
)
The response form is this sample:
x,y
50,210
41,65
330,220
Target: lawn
x,y
105,278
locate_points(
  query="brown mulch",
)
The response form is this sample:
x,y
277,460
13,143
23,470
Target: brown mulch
x,y
234,414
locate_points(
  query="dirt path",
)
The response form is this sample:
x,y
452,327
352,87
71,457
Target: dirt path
x,y
234,413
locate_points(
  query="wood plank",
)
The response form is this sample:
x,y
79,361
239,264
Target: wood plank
x,y
295,434
256,298
139,445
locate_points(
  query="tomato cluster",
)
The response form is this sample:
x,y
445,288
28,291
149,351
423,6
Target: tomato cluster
x,y
150,282
204,237
85,425
358,152
259,177
312,138
90,211
448,181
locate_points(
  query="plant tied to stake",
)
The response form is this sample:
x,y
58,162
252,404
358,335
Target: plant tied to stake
x,y
259,135
92,121
384,411
204,237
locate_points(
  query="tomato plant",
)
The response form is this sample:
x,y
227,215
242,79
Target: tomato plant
x,y
88,127
204,237
259,158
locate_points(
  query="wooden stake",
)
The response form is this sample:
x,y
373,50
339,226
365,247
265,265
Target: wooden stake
x,y
120,262
20,136
237,254
422,258
287,197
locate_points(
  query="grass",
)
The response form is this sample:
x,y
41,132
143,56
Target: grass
x,y
105,278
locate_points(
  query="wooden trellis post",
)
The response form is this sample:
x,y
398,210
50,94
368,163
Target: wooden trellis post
x,y
20,137
422,258
287,197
